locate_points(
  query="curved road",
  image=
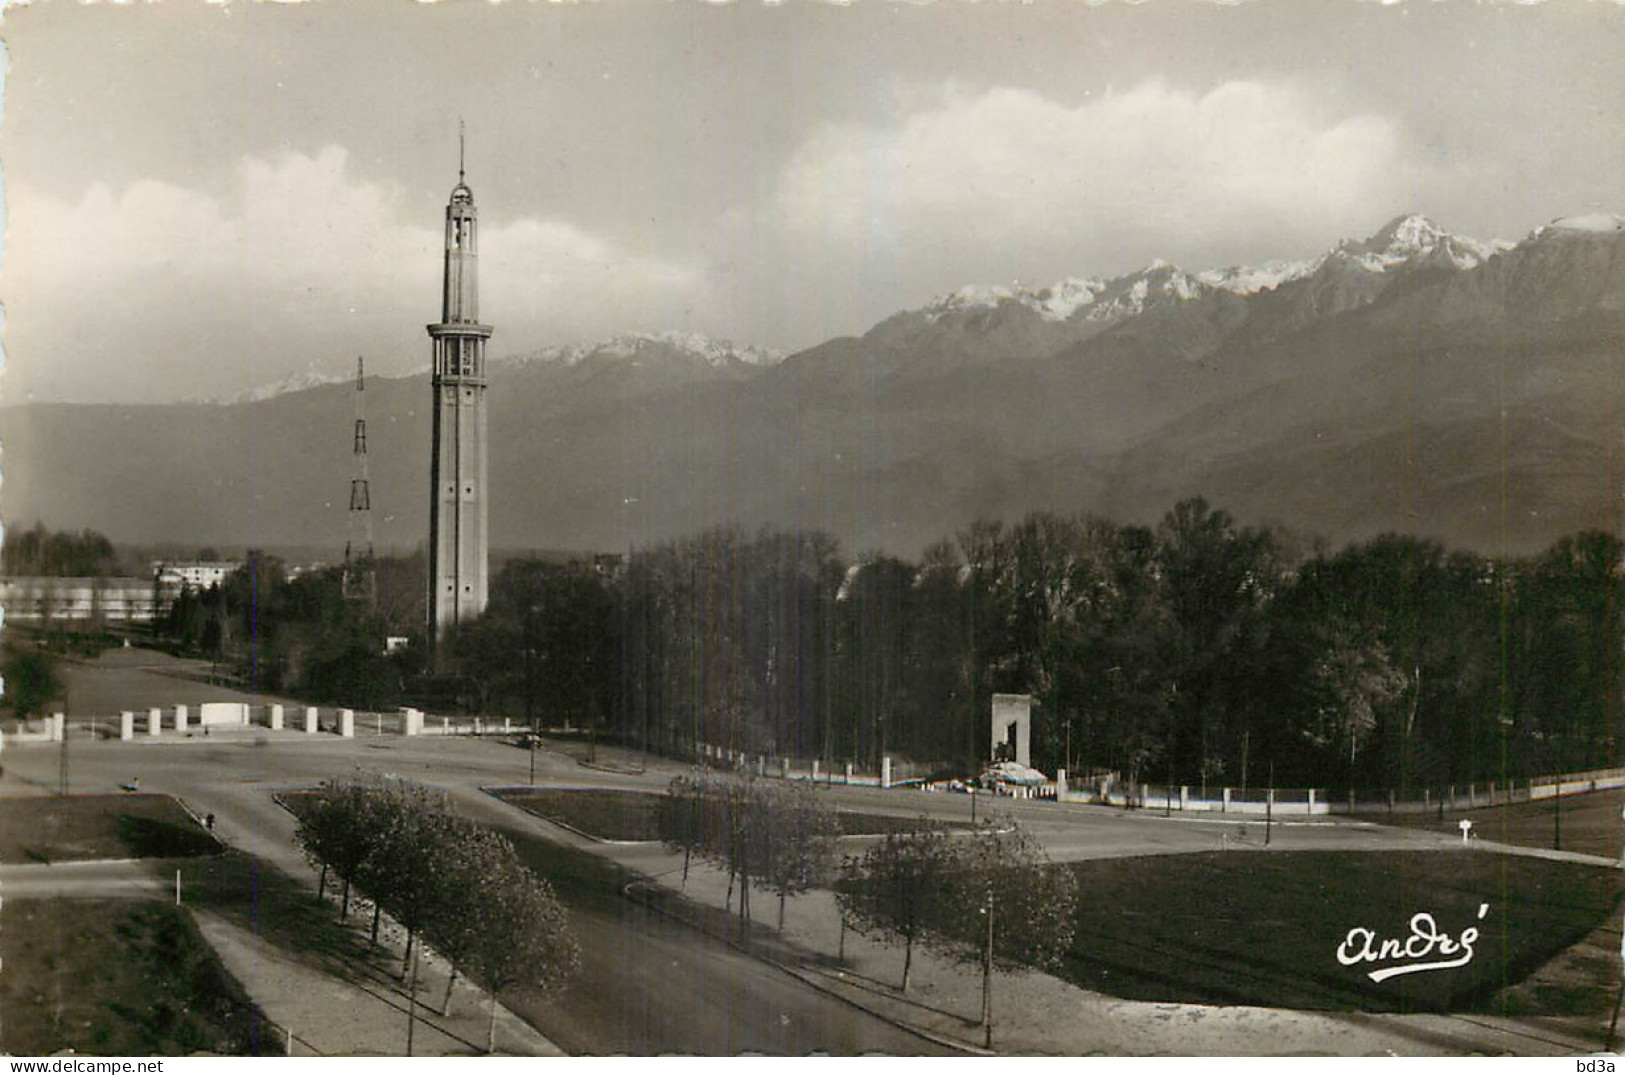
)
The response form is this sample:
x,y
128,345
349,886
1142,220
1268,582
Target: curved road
x,y
647,984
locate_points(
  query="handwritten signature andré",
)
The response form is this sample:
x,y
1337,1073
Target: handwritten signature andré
x,y
1425,941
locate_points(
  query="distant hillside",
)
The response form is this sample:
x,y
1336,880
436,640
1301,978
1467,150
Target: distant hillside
x,y
1415,380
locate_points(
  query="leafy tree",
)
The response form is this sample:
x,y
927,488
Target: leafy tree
x,y
472,867
774,833
523,935
31,681
452,883
58,554
337,830
895,888
1217,579
795,830
684,818
1004,904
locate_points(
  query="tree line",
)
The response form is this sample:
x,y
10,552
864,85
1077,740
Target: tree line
x,y
776,833
39,552
301,634
449,882
989,896
1199,650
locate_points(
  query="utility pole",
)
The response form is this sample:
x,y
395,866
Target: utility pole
x,y
360,573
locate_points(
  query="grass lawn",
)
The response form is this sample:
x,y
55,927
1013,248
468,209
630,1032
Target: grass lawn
x,y
630,815
1264,928
116,978
81,827
1589,823
138,679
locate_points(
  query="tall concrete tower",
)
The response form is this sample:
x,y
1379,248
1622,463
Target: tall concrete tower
x,y
457,508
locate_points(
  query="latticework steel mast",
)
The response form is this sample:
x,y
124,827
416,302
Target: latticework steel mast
x,y
359,579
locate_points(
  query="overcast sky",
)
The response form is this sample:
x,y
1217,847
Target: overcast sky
x,y
206,199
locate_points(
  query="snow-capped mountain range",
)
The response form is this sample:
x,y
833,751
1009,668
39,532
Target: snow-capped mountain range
x,y
635,346
1078,306
1407,242
303,381
1414,381
633,349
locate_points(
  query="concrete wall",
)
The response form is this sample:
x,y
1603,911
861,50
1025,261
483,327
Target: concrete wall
x,y
223,713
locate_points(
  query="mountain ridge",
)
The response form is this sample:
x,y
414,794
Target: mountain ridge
x,y
1368,391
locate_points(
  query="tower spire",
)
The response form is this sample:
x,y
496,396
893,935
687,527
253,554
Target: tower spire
x,y
458,551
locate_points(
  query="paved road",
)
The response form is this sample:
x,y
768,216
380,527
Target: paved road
x,y
648,985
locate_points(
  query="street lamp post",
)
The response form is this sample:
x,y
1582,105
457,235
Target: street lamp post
x,y
987,976
1613,1023
530,686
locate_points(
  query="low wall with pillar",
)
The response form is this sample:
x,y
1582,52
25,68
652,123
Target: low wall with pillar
x,y
227,714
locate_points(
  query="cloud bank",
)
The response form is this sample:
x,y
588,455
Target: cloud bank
x,y
1011,178
171,292
156,291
